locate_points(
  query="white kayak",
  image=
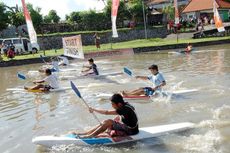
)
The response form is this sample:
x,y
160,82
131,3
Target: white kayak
x,y
145,132
90,76
186,91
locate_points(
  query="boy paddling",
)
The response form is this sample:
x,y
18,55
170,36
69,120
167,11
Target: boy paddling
x,y
51,79
91,69
156,78
127,126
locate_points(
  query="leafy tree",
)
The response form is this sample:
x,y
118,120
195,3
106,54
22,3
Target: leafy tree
x,y
169,11
3,17
16,16
74,17
52,17
136,10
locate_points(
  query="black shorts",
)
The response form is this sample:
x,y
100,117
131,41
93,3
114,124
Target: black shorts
x,y
48,87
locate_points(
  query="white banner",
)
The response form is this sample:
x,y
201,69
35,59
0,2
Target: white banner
x,y
115,5
73,46
176,12
217,19
29,23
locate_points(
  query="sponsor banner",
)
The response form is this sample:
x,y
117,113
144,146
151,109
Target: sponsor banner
x,y
73,46
29,23
115,5
176,12
217,19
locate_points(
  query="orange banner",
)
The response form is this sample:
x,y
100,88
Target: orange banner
x,y
217,19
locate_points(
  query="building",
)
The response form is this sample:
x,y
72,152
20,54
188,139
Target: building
x,y
156,7
204,8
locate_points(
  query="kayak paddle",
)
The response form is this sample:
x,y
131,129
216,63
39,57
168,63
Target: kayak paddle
x,y
79,95
21,76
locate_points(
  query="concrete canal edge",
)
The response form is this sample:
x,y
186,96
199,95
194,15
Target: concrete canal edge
x,y
129,51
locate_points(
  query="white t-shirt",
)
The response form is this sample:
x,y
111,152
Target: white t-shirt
x,y
55,65
156,79
52,81
64,60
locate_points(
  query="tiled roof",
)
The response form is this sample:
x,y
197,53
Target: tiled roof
x,y
199,5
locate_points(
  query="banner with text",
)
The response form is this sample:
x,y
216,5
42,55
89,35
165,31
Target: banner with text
x,y
29,23
73,46
217,19
115,5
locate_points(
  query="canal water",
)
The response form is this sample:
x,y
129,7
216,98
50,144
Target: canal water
x,y
26,115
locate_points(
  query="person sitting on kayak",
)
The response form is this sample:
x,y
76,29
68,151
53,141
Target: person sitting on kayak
x,y
91,69
127,126
54,68
51,79
188,48
64,61
156,78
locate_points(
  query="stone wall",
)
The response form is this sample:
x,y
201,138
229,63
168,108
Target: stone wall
x,y
55,42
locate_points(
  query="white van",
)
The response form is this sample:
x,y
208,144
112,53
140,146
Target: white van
x,y
22,45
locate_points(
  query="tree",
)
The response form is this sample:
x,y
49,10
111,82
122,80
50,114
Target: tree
x,y
3,17
169,11
52,17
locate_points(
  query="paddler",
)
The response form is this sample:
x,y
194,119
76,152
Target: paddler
x,y
91,69
156,78
188,48
50,79
124,124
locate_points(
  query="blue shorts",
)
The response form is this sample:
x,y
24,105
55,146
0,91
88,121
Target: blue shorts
x,y
148,91
53,70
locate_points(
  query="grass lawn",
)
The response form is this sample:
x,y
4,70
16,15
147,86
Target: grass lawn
x,y
122,45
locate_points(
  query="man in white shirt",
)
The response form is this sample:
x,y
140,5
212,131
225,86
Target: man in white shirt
x,y
156,78
51,80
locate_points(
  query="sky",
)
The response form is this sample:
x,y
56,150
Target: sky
x,y
62,7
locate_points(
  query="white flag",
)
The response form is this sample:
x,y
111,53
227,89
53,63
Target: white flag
x,y
29,23
115,5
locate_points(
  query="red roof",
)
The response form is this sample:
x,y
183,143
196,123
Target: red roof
x,y
200,5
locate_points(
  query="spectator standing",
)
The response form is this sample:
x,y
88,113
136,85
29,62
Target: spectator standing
x,y
97,40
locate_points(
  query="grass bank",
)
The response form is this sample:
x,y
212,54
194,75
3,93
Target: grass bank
x,y
128,44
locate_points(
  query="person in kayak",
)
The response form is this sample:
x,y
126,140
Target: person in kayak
x,y
54,66
64,61
51,80
124,124
188,48
91,69
156,78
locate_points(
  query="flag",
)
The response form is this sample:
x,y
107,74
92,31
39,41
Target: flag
x,y
30,27
115,5
217,19
176,12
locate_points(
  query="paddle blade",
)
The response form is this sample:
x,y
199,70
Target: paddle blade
x,y
21,76
42,58
75,89
127,71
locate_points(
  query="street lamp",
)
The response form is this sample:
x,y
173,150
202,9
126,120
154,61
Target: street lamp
x,y
144,18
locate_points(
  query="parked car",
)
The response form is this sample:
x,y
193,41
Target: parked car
x,y
22,45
